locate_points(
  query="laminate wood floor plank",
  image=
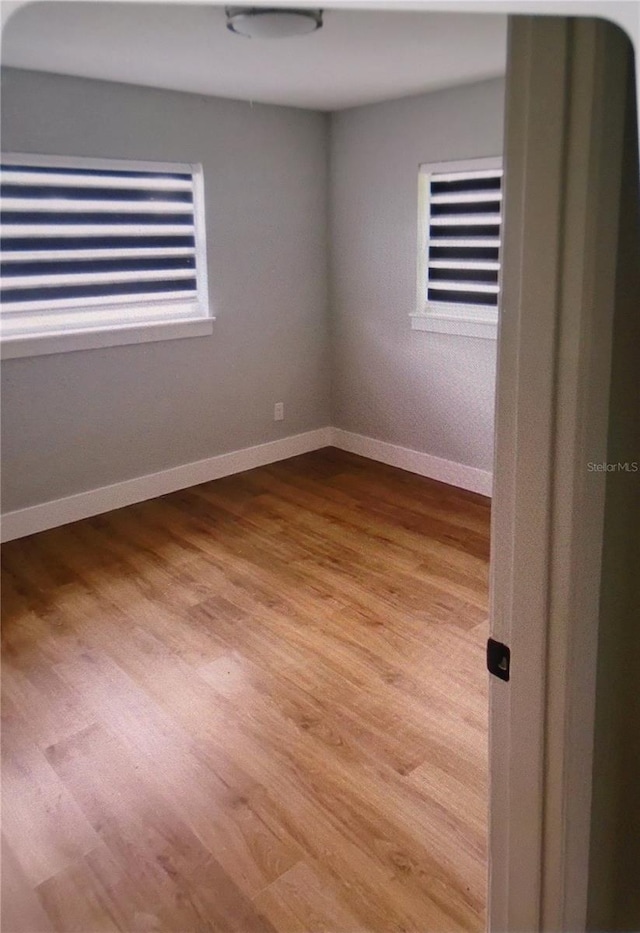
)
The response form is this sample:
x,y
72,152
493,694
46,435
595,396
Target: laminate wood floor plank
x,y
313,904
274,708
256,705
41,820
52,710
323,536
22,911
172,869
338,546
261,724
205,787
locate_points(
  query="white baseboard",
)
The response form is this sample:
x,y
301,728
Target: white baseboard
x,y
446,471
36,518
57,512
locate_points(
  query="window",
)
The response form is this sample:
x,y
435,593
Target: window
x,y
459,247
97,253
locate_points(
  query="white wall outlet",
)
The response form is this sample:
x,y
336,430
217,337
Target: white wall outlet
x,y
278,411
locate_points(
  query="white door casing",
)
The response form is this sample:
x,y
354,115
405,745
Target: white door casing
x,y
563,153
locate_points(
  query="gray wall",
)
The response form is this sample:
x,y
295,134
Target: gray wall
x,y
79,420
431,392
76,421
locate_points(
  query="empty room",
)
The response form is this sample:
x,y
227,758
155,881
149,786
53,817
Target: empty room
x,y
254,275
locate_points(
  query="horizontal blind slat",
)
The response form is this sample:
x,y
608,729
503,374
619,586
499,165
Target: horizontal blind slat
x,y
49,205
78,176
51,255
42,267
462,264
482,210
22,230
73,193
53,306
89,278
459,278
466,242
467,198
466,220
59,241
464,286
51,292
445,296
467,176
98,218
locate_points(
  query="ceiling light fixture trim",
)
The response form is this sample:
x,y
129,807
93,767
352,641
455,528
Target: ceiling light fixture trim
x,y
272,22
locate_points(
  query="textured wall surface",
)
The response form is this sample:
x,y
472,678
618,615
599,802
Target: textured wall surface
x,y
431,392
76,421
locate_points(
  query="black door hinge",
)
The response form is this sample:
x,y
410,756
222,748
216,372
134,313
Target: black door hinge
x,y
498,659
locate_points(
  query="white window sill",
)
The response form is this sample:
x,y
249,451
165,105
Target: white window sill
x,y
15,347
458,325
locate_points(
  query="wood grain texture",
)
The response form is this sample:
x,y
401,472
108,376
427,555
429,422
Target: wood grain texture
x,y
256,705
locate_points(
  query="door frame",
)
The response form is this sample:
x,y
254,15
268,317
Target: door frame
x,y
566,84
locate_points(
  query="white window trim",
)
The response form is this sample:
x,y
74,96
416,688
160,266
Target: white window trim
x,y
114,335
461,320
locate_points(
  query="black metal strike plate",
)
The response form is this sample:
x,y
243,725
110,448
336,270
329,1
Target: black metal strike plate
x,y
498,659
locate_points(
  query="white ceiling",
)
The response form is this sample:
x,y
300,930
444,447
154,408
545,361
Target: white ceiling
x,y
357,58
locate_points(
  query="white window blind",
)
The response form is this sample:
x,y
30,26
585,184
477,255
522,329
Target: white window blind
x,y
93,245
460,238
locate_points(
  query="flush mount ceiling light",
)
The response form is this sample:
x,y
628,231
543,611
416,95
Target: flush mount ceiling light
x,y
256,22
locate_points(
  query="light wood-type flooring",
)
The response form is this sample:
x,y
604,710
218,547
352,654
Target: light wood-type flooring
x,y
256,705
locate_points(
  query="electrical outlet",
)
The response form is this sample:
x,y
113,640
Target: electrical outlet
x,y
278,411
